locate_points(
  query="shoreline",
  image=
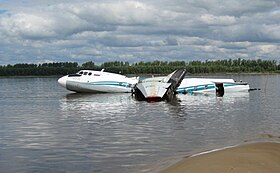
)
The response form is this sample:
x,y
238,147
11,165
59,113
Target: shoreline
x,y
3,77
260,157
144,75
208,74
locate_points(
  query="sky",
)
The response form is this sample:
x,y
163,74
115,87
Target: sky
x,y
44,31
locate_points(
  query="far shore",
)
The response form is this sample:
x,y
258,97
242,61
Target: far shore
x,y
55,76
144,75
206,74
262,157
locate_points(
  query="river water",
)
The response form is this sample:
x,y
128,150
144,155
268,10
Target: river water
x,y
44,128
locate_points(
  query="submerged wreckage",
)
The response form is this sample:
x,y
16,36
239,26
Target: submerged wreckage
x,y
154,88
165,88
159,88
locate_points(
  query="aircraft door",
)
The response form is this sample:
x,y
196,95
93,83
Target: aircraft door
x,y
220,90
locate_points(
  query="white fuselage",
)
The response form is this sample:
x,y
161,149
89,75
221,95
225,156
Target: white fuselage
x,y
97,82
208,85
104,82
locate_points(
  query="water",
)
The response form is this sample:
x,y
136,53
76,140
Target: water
x,y
44,128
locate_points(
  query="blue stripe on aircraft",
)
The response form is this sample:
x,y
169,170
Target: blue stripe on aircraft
x,y
191,89
107,83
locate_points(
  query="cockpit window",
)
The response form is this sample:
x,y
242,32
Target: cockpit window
x,y
85,73
89,73
81,72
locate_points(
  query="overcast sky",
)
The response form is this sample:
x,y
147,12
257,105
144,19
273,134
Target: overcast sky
x,y
38,31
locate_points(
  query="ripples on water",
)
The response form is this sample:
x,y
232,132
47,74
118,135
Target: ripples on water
x,y
44,128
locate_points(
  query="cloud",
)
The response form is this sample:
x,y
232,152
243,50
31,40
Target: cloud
x,y
27,26
265,49
58,30
210,19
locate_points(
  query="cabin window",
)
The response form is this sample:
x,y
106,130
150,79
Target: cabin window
x,y
89,73
85,73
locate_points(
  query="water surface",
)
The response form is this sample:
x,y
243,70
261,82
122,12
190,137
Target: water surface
x,y
44,128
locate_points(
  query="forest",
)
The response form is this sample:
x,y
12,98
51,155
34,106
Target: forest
x,y
144,68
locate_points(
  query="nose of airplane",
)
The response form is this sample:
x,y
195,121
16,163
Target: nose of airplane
x,y
62,81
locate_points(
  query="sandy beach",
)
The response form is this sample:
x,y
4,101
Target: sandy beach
x,y
249,158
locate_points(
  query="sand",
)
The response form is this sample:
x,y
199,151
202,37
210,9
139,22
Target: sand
x,y
249,158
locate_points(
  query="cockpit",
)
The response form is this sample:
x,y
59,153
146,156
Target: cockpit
x,y
80,73
85,73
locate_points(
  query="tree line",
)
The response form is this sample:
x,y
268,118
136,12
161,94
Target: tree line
x,y
154,67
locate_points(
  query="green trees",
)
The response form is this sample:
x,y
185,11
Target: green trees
x,y
45,69
194,67
155,67
89,65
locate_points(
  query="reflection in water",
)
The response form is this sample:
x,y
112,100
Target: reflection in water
x,y
97,108
101,98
